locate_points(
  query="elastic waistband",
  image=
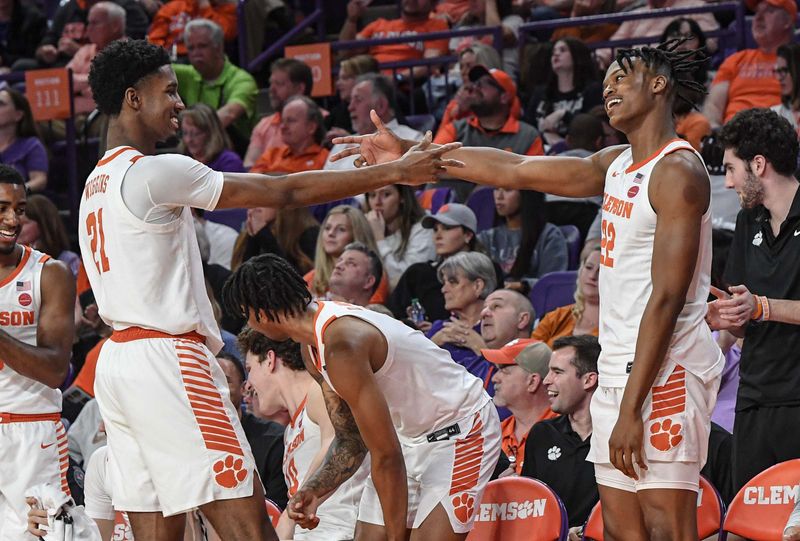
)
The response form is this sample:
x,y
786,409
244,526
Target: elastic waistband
x,y
6,418
138,333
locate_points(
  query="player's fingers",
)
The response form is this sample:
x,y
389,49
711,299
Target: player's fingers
x,y
376,120
348,139
344,153
738,290
640,459
628,461
451,163
447,148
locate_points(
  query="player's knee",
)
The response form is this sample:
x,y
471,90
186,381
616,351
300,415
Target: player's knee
x,y
613,531
669,527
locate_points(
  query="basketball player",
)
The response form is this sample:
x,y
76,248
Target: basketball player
x,y
277,373
432,432
177,444
37,296
659,369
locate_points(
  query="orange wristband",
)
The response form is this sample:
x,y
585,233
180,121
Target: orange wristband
x,y
759,311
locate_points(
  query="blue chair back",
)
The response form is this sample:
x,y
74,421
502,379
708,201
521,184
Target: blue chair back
x,y
421,123
553,290
573,236
481,201
433,199
320,211
231,217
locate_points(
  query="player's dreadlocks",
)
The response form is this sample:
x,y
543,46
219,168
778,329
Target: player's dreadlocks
x,y
666,59
269,283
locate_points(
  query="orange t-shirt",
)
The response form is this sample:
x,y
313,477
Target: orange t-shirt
x,y
380,296
752,81
693,127
514,450
384,28
281,160
85,378
555,324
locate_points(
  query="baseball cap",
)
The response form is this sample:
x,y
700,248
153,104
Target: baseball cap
x,y
452,214
500,77
530,354
789,6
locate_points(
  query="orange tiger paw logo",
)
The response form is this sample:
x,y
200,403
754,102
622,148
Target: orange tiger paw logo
x,y
229,472
464,506
665,435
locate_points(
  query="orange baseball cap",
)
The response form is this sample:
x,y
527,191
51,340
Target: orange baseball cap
x,y
532,355
789,6
500,77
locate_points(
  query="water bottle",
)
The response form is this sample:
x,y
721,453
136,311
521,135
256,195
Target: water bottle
x,y
417,312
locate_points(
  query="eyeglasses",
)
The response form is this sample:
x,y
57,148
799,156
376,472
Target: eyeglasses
x,y
781,72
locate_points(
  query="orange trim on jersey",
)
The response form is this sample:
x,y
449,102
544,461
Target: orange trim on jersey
x,y
63,456
26,253
670,398
318,337
205,400
6,418
468,456
117,153
44,258
297,413
137,158
651,157
137,333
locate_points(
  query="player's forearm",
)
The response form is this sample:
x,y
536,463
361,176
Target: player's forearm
x,y
246,190
655,334
343,458
389,478
784,311
45,365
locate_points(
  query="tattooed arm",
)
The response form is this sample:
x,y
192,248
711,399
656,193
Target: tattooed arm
x,y
357,410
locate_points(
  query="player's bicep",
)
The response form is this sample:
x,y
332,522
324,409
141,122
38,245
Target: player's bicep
x,y
56,326
176,180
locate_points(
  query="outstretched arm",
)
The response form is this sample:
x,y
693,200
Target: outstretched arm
x,y
421,165
48,360
680,194
559,175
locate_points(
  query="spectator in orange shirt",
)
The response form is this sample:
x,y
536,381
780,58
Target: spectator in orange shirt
x,y
288,77
494,124
170,20
583,317
522,366
302,131
415,18
745,79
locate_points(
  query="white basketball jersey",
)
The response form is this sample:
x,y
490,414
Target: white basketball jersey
x,y
424,388
142,274
302,441
626,257
20,300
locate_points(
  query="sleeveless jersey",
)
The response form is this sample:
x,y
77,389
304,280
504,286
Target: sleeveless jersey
x,y
147,275
302,440
20,301
424,388
626,257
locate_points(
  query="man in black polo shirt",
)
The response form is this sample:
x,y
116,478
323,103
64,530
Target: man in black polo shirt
x,y
763,302
557,448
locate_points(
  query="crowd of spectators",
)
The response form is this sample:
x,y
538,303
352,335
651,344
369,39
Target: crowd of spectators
x,y
464,270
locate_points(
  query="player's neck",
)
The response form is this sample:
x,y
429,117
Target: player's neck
x,y
650,136
9,261
122,134
778,200
300,328
295,391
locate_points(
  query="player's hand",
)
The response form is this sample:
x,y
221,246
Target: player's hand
x,y
423,165
792,533
37,518
379,147
302,509
713,316
625,444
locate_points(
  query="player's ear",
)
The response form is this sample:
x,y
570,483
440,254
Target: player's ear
x,y
132,99
659,83
758,164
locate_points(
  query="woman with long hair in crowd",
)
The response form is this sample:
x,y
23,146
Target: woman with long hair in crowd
x,y
204,139
342,225
583,316
338,120
522,242
573,86
20,145
395,216
43,229
289,233
787,71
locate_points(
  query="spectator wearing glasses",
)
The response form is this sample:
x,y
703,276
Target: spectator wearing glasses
x,y
787,66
